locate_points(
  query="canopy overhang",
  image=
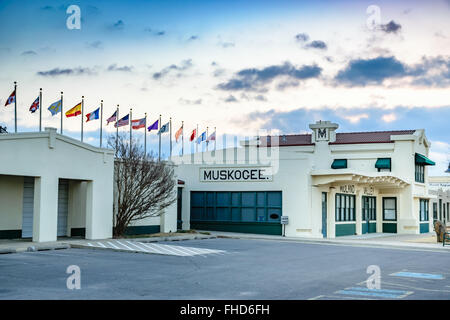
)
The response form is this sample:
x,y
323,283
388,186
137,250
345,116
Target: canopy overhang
x,y
381,180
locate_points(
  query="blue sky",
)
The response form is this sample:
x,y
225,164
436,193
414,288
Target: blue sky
x,y
239,66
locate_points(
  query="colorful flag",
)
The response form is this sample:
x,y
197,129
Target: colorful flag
x,y
164,128
201,137
122,122
35,105
112,118
93,115
55,107
178,134
137,124
11,99
154,126
75,111
193,135
212,137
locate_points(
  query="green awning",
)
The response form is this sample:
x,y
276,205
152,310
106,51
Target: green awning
x,y
421,159
383,163
339,164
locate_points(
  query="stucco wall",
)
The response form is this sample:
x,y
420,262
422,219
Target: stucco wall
x,y
11,202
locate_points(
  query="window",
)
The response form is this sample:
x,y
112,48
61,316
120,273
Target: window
x,y
435,211
345,207
390,209
383,164
423,214
369,208
420,173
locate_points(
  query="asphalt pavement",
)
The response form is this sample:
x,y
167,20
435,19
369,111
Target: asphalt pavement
x,y
234,269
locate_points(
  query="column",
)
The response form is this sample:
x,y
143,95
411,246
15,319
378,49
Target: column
x,y
45,209
358,211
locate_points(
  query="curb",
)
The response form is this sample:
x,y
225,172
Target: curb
x,y
35,248
337,243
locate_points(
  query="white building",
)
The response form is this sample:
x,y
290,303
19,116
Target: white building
x,y
328,183
440,205
52,185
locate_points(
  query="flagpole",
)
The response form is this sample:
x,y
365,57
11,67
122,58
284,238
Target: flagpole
x,y
117,127
145,136
40,109
62,112
101,121
15,106
131,118
182,138
82,115
170,144
207,136
196,138
159,125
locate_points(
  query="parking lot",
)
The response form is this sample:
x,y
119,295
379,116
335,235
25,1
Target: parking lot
x,y
228,269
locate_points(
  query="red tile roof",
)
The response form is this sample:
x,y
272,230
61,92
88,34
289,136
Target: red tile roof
x,y
368,137
341,138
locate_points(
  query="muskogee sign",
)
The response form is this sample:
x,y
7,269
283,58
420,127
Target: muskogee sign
x,y
235,174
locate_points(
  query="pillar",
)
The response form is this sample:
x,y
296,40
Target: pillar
x,y
45,209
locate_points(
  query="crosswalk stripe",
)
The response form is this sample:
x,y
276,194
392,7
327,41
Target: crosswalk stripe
x,y
124,245
182,253
195,250
136,245
101,245
112,245
167,248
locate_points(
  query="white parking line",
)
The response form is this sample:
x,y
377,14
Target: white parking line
x,y
150,246
124,245
112,245
101,245
139,247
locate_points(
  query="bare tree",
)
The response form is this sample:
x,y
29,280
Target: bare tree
x,y
143,186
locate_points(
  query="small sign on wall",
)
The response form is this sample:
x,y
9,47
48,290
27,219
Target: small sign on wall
x,y
284,220
347,188
368,191
247,174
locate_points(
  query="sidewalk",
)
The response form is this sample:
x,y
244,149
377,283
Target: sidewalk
x,y
422,242
20,245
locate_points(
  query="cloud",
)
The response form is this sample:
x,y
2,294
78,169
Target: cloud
x,y
255,79
371,71
389,117
355,118
226,44
65,72
302,37
185,64
192,38
231,98
391,27
119,25
317,44
114,67
158,33
260,97
47,8
95,44
190,102
29,53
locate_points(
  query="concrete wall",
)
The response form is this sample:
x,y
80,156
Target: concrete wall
x,y
11,202
49,156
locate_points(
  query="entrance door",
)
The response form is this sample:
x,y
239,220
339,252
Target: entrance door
x,y
63,207
179,201
369,223
324,214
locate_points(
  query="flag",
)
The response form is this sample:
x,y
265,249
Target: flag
x,y
154,126
122,122
11,99
137,124
93,115
164,128
193,135
35,105
112,118
75,111
212,137
201,137
55,107
178,134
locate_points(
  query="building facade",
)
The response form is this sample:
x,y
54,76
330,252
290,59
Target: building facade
x,y
54,186
324,184
440,205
